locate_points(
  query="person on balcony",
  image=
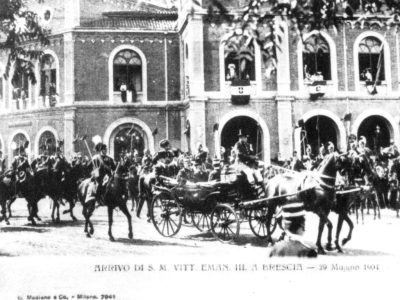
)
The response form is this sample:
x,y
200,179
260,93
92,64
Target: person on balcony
x,y
123,89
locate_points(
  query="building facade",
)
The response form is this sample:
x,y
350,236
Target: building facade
x,y
117,67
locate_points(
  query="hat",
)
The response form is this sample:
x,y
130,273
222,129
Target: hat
x,y
241,133
100,146
164,143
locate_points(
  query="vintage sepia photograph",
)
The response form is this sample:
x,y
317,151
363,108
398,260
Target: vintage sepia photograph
x,y
199,148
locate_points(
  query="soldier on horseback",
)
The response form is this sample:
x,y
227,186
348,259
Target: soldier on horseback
x,y
103,166
20,164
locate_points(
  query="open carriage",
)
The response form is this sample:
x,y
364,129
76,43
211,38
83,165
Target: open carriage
x,y
218,207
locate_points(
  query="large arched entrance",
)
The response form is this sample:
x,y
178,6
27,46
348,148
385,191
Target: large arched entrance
x,y
319,130
250,127
19,139
376,138
128,134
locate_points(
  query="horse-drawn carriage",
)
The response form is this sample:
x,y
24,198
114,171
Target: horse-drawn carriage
x,y
218,207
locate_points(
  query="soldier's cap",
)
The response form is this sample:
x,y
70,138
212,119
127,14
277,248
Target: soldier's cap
x,y
164,143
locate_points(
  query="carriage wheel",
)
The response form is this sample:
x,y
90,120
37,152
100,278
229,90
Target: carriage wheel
x,y
258,220
166,215
201,221
224,223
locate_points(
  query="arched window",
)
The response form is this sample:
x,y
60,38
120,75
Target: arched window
x,y
18,140
316,58
20,84
239,60
127,70
371,59
48,76
47,141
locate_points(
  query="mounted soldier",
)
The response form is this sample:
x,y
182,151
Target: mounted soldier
x,y
59,163
102,169
20,164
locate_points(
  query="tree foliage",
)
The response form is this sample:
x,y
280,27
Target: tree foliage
x,y
19,26
262,20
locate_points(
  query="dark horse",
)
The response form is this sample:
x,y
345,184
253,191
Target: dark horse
x,y
114,196
315,190
7,193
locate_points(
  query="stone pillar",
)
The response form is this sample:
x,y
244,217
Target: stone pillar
x,y
194,39
69,69
197,119
285,126
69,133
283,64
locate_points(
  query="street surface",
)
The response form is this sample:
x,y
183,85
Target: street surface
x,y
374,238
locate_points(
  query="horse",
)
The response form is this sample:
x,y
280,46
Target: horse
x,y
315,190
27,187
7,194
114,196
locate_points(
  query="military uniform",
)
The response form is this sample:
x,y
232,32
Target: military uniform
x,y
102,166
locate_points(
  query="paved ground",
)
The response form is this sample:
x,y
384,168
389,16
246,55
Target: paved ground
x,y
374,238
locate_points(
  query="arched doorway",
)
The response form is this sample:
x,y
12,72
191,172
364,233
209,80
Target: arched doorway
x,y
368,128
128,138
47,141
319,130
250,127
120,132
18,140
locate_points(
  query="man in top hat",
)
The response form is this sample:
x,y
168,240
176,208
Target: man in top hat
x,y
293,244
102,167
243,149
215,174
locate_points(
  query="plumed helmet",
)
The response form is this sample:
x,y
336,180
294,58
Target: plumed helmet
x,y
164,143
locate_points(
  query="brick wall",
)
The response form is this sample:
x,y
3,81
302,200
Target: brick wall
x,y
91,64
